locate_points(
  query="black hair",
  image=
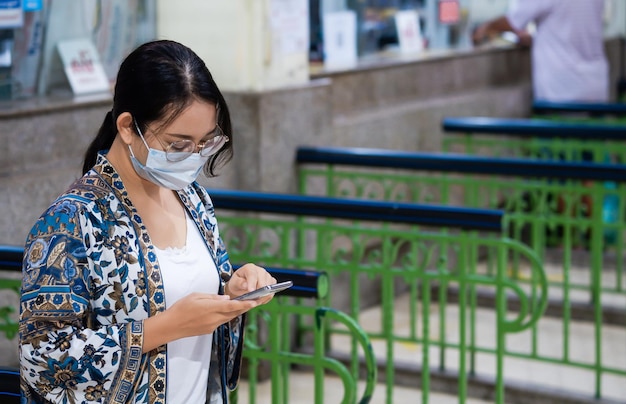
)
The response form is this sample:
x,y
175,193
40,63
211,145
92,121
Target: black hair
x,y
157,81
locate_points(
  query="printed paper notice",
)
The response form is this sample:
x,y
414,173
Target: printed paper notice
x,y
290,25
82,66
11,14
340,49
409,32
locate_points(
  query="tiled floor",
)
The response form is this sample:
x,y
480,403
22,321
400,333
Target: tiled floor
x,y
301,392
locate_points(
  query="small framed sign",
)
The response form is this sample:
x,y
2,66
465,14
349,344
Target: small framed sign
x,y
82,66
409,31
449,11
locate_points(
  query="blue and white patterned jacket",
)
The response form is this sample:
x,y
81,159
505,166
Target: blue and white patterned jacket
x,y
90,276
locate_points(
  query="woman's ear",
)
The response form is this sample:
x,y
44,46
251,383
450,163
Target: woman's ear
x,y
126,127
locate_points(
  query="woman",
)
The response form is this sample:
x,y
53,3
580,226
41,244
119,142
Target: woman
x,y
127,286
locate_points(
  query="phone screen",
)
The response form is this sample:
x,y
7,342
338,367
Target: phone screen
x,y
265,290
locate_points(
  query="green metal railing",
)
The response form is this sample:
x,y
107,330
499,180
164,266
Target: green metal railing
x,y
558,209
610,113
10,284
535,138
274,347
398,250
8,323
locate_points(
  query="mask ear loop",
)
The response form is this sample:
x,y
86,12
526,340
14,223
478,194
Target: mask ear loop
x,y
141,136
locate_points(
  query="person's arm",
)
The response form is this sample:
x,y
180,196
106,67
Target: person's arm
x,y
64,353
195,314
520,13
491,29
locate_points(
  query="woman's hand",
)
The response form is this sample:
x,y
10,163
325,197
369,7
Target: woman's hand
x,y
525,39
200,313
480,34
248,278
194,314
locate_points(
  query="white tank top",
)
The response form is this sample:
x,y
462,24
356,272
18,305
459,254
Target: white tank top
x,y
184,271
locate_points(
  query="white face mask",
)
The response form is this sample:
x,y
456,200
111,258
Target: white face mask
x,y
168,174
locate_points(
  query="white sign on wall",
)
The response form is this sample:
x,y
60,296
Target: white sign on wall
x,y
340,46
409,32
11,14
82,66
289,20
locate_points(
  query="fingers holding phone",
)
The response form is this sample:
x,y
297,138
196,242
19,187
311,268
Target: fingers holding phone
x,y
248,278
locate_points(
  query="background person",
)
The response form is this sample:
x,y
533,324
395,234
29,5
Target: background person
x,y
126,282
568,59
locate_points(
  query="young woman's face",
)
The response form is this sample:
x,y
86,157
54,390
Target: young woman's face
x,y
197,123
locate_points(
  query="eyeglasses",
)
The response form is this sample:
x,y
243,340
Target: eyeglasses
x,y
182,149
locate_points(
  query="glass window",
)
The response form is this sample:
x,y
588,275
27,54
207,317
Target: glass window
x,y
34,67
377,31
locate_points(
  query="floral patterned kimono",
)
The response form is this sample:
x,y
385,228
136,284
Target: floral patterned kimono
x,y
90,276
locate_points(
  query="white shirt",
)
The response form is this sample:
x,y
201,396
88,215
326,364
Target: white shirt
x,y
184,271
568,59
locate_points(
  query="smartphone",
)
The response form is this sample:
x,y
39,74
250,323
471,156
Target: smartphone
x,y
265,290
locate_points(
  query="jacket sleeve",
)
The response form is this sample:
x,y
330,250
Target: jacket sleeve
x,y
65,354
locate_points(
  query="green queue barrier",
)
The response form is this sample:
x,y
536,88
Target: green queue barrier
x,y
541,139
550,205
10,284
376,251
544,139
602,113
590,112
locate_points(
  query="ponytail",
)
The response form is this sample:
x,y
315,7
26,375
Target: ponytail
x,y
103,141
